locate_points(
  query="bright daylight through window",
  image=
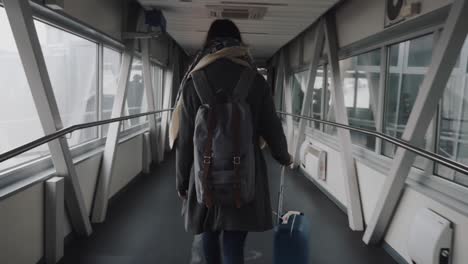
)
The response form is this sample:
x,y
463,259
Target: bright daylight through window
x,y
407,66
112,60
72,66
136,102
19,121
361,81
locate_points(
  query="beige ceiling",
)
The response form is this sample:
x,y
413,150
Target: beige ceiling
x,y
188,21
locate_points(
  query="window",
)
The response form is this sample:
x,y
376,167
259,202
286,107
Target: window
x,y
72,66
157,76
408,62
453,120
136,96
110,79
317,96
361,81
298,90
278,92
329,104
19,121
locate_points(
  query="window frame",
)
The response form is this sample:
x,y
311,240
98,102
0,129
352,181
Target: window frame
x,y
129,126
379,111
403,69
102,47
424,180
384,47
461,70
31,170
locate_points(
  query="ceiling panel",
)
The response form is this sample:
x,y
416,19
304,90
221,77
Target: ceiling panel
x,y
188,21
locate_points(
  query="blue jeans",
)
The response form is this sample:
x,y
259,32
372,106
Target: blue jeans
x,y
233,247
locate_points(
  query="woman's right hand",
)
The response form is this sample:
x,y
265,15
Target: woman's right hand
x,y
290,164
182,195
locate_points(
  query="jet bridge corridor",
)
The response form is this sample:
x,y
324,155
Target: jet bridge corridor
x,y
372,96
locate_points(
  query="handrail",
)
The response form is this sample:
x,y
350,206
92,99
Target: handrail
x,y
62,132
457,166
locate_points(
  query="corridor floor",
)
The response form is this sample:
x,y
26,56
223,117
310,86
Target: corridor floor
x,y
144,226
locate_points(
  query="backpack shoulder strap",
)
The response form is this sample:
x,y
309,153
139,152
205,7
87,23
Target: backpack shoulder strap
x,y
202,87
245,82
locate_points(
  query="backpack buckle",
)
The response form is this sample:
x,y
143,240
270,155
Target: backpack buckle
x,y
207,159
236,160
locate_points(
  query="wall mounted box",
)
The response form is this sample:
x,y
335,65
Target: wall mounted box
x,y
314,160
430,238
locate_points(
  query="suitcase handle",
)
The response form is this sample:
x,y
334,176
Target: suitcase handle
x,y
281,195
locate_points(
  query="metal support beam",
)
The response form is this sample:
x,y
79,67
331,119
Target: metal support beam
x,y
279,88
287,92
306,104
445,55
148,82
147,155
101,197
54,219
354,207
379,109
167,98
24,31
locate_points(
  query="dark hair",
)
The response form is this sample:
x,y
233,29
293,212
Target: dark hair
x,y
222,28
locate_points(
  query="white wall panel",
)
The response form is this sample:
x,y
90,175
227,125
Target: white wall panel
x,y
358,19
430,5
87,176
22,226
105,15
335,180
22,215
87,171
413,201
128,163
371,182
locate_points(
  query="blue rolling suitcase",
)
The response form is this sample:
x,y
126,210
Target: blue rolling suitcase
x,y
291,238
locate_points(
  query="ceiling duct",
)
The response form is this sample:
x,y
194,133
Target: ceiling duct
x,y
237,12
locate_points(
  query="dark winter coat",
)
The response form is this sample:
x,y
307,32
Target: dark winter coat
x,y
256,216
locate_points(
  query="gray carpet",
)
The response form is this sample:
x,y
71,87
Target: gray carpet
x,y
144,226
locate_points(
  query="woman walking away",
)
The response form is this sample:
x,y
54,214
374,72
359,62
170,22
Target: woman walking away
x,y
224,108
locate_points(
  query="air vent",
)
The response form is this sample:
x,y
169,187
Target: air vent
x,y
315,161
237,12
400,10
